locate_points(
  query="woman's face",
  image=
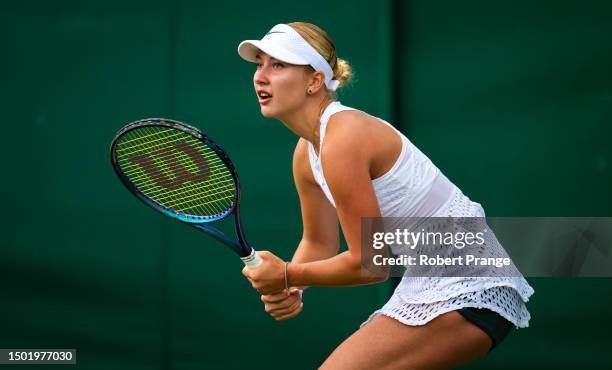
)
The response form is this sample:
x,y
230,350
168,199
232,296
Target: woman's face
x,y
280,87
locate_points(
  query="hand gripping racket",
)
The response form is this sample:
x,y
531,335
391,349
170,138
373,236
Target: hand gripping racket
x,y
182,173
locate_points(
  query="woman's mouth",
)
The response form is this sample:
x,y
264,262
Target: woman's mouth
x,y
264,97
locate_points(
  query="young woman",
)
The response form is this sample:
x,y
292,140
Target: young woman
x,y
348,165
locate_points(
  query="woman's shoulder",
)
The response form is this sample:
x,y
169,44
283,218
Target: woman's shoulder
x,y
355,126
300,154
350,114
348,122
301,162
359,137
301,148
348,134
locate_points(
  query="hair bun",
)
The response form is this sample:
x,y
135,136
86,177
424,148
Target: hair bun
x,y
343,72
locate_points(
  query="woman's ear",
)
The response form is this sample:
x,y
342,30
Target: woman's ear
x,y
316,82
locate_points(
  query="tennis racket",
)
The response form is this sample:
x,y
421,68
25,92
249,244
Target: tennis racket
x,y
182,173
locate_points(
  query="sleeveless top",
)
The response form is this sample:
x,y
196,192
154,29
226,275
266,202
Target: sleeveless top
x,y
415,187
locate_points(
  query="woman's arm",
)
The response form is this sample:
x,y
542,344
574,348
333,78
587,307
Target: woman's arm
x,y
347,156
352,149
320,236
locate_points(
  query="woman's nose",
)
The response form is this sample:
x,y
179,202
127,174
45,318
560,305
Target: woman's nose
x,y
260,77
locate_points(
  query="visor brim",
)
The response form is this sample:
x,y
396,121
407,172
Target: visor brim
x,y
248,49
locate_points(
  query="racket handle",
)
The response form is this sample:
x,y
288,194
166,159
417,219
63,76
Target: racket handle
x,y
253,260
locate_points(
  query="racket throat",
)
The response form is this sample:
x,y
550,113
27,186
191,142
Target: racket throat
x,y
221,237
245,248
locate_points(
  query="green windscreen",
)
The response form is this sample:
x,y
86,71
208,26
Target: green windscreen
x,y
176,170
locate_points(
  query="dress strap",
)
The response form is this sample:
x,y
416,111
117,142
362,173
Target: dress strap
x,y
330,110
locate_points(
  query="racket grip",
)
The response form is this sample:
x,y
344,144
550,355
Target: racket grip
x,y
253,260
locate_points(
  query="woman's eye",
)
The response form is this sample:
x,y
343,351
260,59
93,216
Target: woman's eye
x,y
274,65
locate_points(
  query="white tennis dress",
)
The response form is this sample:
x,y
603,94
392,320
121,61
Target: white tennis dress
x,y
414,186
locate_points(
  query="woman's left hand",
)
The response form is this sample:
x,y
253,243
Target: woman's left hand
x,y
269,277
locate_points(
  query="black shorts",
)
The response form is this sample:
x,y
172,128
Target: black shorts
x,y
490,322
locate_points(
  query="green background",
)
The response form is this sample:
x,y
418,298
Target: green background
x,y
511,99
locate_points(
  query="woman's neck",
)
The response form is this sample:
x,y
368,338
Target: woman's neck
x,y
306,121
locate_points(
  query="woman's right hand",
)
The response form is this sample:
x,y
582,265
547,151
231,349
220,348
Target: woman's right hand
x,y
284,305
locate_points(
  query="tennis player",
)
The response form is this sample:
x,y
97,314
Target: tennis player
x,y
348,165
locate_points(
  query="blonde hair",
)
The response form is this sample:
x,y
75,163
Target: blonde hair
x,y
323,44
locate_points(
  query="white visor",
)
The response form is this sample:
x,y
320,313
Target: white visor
x,y
287,45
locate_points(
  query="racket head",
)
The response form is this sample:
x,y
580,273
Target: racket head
x,y
176,169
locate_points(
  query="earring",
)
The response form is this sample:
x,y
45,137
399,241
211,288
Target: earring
x,y
309,92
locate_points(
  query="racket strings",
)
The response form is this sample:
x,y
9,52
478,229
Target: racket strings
x,y
176,170
137,176
128,146
187,193
189,196
142,139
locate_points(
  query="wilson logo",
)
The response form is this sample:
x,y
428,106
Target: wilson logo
x,y
169,162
